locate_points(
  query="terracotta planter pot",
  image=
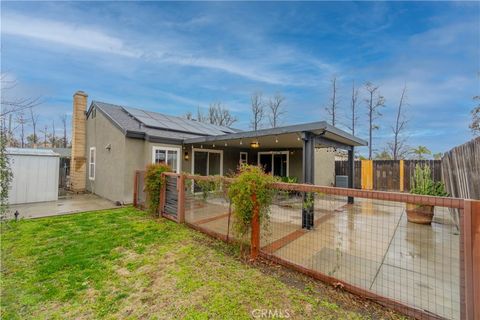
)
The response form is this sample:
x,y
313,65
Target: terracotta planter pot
x,y
419,213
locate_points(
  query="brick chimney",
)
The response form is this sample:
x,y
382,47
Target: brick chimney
x,y
78,165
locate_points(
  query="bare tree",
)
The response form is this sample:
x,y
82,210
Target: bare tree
x,y
475,125
21,121
353,108
219,115
53,138
63,118
397,147
188,115
45,136
14,104
34,121
258,110
374,102
200,116
332,108
275,105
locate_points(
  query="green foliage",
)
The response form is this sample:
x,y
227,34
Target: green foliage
x,y
5,174
250,180
153,184
420,151
422,183
289,179
208,186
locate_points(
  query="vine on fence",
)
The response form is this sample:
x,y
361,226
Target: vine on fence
x,y
249,181
153,183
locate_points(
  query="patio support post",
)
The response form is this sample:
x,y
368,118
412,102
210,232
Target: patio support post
x,y
308,177
351,171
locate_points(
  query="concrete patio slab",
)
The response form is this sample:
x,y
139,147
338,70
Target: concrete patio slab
x,y
72,203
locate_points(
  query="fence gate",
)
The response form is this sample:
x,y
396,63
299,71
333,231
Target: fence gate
x,y
171,196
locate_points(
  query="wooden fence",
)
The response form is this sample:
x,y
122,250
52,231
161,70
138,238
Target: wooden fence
x,y
461,170
387,175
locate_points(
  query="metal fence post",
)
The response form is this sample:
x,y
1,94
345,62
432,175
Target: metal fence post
x,y
255,236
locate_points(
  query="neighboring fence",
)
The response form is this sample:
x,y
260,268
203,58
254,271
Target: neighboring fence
x,y
387,175
368,248
461,170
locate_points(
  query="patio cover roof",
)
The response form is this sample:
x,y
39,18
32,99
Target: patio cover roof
x,y
287,136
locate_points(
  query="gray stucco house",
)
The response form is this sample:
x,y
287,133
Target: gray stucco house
x,y
110,142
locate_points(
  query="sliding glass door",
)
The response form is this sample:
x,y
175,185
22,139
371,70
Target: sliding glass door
x,y
274,162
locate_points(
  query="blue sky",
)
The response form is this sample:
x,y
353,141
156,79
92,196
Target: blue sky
x,y
173,57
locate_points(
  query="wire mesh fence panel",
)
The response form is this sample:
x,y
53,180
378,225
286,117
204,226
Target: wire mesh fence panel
x,y
207,207
371,246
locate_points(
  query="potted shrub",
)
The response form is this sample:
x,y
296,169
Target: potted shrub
x,y
423,184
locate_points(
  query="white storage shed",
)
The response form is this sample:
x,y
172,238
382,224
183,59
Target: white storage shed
x,y
35,175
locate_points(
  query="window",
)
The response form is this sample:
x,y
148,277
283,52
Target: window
x,y
274,162
91,163
167,155
243,157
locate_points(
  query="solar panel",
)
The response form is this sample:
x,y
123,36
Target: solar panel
x,y
161,121
135,112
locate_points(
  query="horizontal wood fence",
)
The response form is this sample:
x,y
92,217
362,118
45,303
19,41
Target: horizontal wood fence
x,y
387,175
367,248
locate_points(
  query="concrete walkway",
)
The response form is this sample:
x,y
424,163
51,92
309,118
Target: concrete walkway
x,y
72,203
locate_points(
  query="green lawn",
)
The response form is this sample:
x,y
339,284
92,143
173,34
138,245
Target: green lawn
x,y
124,264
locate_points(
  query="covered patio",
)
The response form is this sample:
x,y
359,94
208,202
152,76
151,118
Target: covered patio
x,y
302,153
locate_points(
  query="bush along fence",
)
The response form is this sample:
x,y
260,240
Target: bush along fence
x,y
387,175
427,271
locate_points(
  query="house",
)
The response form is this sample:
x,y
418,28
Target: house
x,y
110,142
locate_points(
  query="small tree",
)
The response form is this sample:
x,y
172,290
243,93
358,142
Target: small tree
x,y
63,118
374,102
275,105
420,151
475,124
353,108
5,173
258,110
332,108
398,147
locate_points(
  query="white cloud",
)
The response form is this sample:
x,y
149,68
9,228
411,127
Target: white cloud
x,y
64,34
263,66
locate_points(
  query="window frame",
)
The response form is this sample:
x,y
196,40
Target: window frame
x,y
90,163
167,149
246,157
272,153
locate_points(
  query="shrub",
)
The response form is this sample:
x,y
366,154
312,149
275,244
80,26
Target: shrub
x,y
207,186
249,181
153,184
422,183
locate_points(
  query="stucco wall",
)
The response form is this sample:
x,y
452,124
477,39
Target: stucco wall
x,y
324,167
110,165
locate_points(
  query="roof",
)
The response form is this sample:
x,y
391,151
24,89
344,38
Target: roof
x,y
137,123
32,152
322,128
63,152
157,127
